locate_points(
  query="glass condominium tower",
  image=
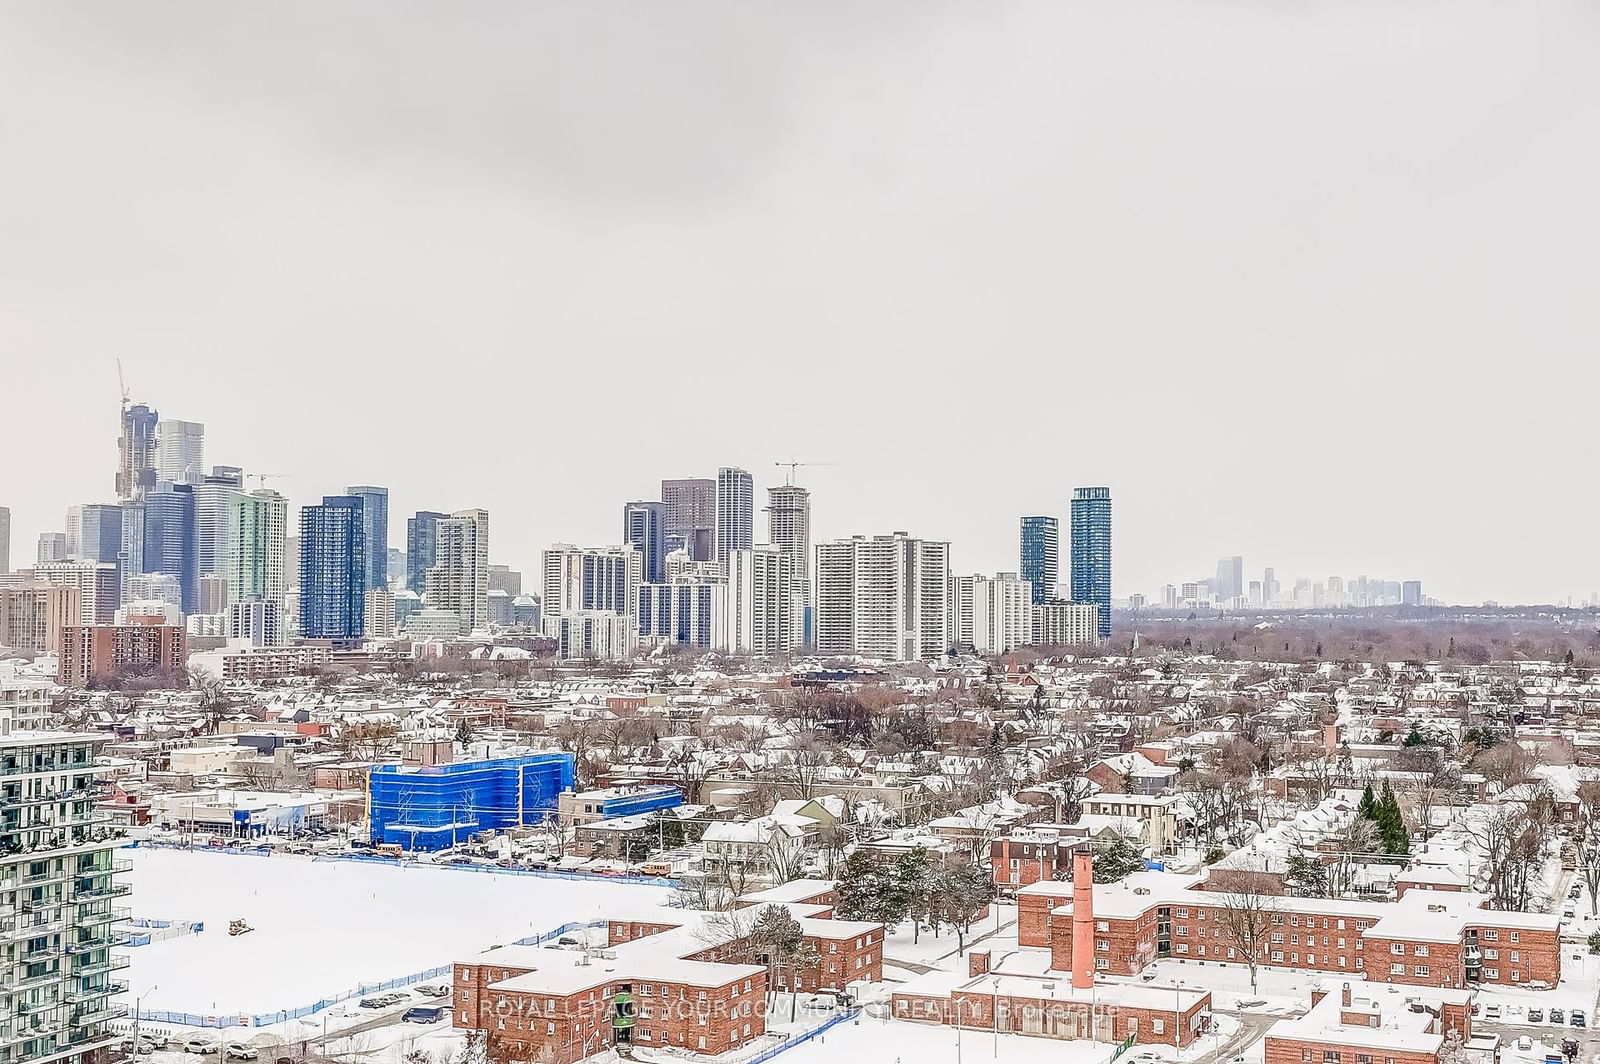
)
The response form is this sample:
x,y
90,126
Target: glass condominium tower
x,y
1040,562
1091,552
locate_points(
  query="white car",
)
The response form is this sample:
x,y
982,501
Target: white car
x,y
199,1045
241,1051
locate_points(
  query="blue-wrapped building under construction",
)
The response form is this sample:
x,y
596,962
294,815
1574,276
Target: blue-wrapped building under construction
x,y
432,807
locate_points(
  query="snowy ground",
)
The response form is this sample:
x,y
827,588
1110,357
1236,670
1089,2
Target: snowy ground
x,y
940,951
891,1042
323,927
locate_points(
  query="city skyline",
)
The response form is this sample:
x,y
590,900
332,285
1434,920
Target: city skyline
x,y
398,529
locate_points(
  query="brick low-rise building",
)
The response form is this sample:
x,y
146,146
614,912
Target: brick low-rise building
x,y
1343,1027
1425,938
697,984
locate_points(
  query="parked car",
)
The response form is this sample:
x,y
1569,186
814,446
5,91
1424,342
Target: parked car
x,y
1524,1043
1491,1012
567,940
424,1014
242,1051
1558,1016
371,1003
1535,1015
1567,913
1579,1019
128,1046
199,1045
432,990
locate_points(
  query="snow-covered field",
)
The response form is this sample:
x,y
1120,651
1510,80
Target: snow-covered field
x,y
894,1042
322,927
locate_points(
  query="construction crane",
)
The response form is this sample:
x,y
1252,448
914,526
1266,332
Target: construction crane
x,y
788,478
122,383
264,477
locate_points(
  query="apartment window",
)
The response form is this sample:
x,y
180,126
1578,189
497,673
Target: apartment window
x,y
1294,958
1277,936
1491,973
1330,1056
1101,963
1277,958
1182,914
1102,925
833,947
1420,951
1342,963
549,1028
1277,918
1516,936
1341,943
1201,951
1491,954
1294,940
1363,1058
1294,920
1133,1025
1397,969
1341,925
1158,1026
1182,947
646,990
1397,948
1420,971
1183,932
646,1035
1516,955
1490,935
1516,976
1305,1056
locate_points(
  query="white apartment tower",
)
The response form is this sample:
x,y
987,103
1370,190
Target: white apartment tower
x,y
459,579
1002,613
180,451
789,529
736,527
590,578
884,597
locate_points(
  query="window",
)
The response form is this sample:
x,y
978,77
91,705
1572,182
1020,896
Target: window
x,y
1342,963
1491,936
1294,940
646,1035
1102,945
646,990
1183,914
1101,963
1516,936
1158,1026
1516,956
549,1028
1277,936
1182,947
1491,973
1294,920
1277,958
1420,971
1516,976
1183,932
1491,954
1397,948
1202,951
1420,951
1341,925
1102,925
1397,969
1330,1056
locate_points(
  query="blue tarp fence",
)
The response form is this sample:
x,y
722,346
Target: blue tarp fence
x,y
263,1019
800,1040
372,858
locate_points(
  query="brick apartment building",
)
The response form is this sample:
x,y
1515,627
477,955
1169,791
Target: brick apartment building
x,y
1425,938
97,652
1343,1028
1039,993
692,983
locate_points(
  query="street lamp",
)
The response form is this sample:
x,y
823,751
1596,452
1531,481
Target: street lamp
x,y
136,1002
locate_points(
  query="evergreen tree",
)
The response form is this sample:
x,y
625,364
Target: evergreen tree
x,y
1116,859
1368,805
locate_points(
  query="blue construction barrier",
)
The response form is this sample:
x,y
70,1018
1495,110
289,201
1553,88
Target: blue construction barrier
x,y
264,1019
373,858
800,1040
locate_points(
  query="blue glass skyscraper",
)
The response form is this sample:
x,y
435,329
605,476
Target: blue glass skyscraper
x,y
422,548
333,568
375,525
644,527
170,546
1091,552
1041,556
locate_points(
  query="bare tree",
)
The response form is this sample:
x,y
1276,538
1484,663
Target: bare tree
x,y
1247,916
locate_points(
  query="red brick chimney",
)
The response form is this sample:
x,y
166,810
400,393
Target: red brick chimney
x,y
1344,996
978,962
1082,920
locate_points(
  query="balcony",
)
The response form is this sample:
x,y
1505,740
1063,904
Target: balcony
x,y
17,930
111,963
110,890
103,916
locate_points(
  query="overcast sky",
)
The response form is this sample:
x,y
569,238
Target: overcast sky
x,y
1310,282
